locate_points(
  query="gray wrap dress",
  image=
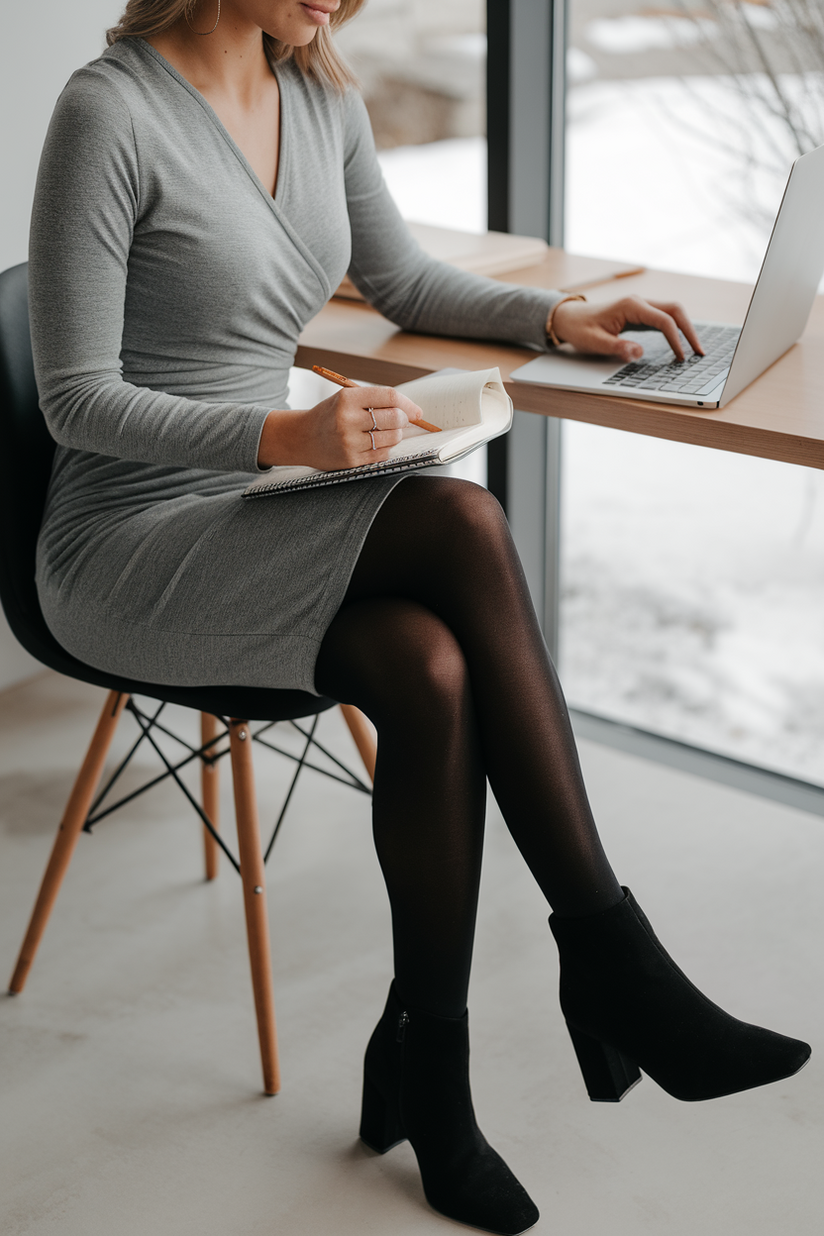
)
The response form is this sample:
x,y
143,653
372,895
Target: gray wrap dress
x,y
167,293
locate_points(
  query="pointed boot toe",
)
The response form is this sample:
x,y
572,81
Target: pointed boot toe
x,y
480,1190
416,1086
629,1008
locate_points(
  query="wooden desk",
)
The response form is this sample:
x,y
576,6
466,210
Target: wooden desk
x,y
781,416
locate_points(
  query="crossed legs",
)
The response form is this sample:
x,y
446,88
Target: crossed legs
x,y
438,643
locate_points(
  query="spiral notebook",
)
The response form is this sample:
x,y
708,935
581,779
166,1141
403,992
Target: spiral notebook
x,y
470,408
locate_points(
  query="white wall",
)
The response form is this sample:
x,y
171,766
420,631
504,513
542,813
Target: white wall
x,y
41,44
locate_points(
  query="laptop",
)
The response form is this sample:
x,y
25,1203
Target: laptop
x,y
735,356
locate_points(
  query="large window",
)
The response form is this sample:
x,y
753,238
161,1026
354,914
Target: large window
x,y
422,69
692,580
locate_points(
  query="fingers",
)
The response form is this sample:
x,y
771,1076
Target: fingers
x,y
604,343
633,309
679,314
591,328
383,428
371,420
383,439
387,399
669,318
386,418
359,425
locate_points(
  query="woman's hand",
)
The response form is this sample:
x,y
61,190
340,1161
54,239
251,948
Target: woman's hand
x,y
596,328
338,433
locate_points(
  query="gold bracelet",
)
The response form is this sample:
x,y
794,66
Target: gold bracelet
x,y
553,338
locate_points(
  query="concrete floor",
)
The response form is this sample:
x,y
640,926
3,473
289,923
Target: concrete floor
x,y
129,1077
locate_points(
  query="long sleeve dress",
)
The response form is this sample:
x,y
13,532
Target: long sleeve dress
x,y
167,293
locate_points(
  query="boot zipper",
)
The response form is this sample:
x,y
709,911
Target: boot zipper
x,y
403,1022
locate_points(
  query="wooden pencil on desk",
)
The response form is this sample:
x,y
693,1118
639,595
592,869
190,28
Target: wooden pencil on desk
x,y
342,381
601,280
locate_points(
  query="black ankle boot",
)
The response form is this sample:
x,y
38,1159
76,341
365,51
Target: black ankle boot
x,y
628,1007
416,1086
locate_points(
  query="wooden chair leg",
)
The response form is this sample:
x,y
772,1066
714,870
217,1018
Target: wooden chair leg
x,y
74,817
254,899
361,731
209,786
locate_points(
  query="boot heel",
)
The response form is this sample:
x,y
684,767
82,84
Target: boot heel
x,y
380,1127
608,1075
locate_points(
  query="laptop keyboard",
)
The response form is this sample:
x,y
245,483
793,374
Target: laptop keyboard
x,y
696,375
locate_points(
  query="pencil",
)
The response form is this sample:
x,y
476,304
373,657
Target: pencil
x,y
342,381
600,280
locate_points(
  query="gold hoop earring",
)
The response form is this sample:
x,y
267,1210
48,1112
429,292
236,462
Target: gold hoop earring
x,y
202,33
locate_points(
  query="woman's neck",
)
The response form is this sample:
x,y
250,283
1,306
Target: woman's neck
x,y
229,63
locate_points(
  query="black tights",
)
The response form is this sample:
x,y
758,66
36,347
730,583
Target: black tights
x,y
438,643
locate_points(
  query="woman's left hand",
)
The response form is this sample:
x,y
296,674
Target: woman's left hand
x,y
597,328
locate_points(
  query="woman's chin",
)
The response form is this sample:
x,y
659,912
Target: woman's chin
x,y
299,33
301,37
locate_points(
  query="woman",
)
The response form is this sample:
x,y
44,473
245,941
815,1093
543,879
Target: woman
x,y
204,186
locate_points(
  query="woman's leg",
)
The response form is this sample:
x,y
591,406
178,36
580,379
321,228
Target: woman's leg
x,y
401,665
445,545
398,661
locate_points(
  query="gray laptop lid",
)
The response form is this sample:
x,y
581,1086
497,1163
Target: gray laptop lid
x,y
789,278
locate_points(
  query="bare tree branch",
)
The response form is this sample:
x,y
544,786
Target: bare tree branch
x,y
771,54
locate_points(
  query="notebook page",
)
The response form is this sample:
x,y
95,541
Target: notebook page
x,y
450,400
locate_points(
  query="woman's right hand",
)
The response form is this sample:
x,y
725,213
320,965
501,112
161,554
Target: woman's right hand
x,y
338,433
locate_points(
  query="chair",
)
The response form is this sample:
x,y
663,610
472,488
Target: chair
x,y
25,464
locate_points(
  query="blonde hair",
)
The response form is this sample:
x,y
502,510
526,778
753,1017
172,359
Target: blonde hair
x,y
319,59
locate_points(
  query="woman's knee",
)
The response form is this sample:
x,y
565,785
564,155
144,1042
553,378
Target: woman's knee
x,y
473,516
418,659
432,665
464,499
395,655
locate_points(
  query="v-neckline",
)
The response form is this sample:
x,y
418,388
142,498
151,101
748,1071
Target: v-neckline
x,y
274,199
